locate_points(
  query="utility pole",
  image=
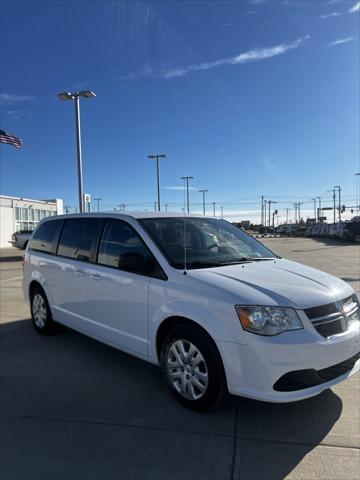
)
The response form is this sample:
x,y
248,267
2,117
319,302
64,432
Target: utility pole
x,y
357,192
296,216
155,206
121,207
166,207
214,213
299,210
314,200
222,212
186,181
338,188
319,209
97,200
262,209
334,199
264,213
287,216
156,157
203,195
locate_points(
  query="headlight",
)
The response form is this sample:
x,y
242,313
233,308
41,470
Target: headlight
x,y
268,320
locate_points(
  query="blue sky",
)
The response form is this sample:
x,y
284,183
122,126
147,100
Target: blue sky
x,y
250,97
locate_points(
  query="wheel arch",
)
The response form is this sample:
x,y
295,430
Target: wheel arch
x,y
168,323
33,285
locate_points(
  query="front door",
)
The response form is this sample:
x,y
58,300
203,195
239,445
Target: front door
x,y
118,289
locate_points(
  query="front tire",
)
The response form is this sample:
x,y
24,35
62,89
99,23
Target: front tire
x,y
192,366
41,313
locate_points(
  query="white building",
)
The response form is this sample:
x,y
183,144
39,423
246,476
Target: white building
x,y
24,214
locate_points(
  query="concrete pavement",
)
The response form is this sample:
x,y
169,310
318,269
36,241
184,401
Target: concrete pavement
x,y
73,408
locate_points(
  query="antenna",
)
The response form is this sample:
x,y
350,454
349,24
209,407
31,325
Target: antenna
x,y
185,239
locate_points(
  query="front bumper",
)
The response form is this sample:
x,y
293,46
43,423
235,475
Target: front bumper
x,y
253,368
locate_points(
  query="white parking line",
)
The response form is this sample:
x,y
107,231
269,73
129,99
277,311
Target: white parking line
x,y
10,279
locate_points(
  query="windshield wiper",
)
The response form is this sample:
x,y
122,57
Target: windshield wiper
x,y
260,259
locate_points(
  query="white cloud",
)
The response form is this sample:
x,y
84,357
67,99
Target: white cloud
x,y
355,8
340,41
15,114
11,99
251,12
254,55
330,15
178,187
146,71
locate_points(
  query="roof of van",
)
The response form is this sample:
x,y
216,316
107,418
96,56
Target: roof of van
x,y
137,215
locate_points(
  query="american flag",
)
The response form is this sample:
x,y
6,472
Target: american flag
x,y
10,139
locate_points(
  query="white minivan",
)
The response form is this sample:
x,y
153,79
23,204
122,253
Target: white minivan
x,y
216,309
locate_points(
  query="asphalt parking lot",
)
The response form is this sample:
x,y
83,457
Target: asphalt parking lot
x,y
72,408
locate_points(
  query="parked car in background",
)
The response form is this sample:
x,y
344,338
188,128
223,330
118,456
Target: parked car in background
x,y
213,307
20,239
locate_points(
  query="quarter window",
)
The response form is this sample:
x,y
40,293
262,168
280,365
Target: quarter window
x,y
121,247
77,237
45,236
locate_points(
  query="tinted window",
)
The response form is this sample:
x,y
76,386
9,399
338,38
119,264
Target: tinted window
x,y
77,237
45,237
121,247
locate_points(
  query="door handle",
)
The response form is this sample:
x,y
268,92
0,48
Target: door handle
x,y
95,276
80,273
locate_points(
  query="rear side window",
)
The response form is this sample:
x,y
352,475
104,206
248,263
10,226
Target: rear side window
x,y
77,238
44,238
121,247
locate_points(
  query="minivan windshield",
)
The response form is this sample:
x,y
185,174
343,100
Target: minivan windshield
x,y
209,242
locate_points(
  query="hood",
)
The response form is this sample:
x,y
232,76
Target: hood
x,y
277,282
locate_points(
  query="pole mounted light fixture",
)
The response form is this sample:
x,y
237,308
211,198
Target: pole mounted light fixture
x,y
72,96
76,97
157,157
203,194
186,180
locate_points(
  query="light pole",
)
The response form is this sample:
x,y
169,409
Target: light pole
x,y
214,212
264,214
203,195
97,200
186,180
222,212
334,202
314,200
270,202
76,97
319,209
156,157
338,188
357,193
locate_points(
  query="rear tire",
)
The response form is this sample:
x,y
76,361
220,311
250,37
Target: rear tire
x,y
192,366
41,313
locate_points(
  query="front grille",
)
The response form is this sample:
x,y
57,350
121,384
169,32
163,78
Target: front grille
x,y
334,318
300,379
